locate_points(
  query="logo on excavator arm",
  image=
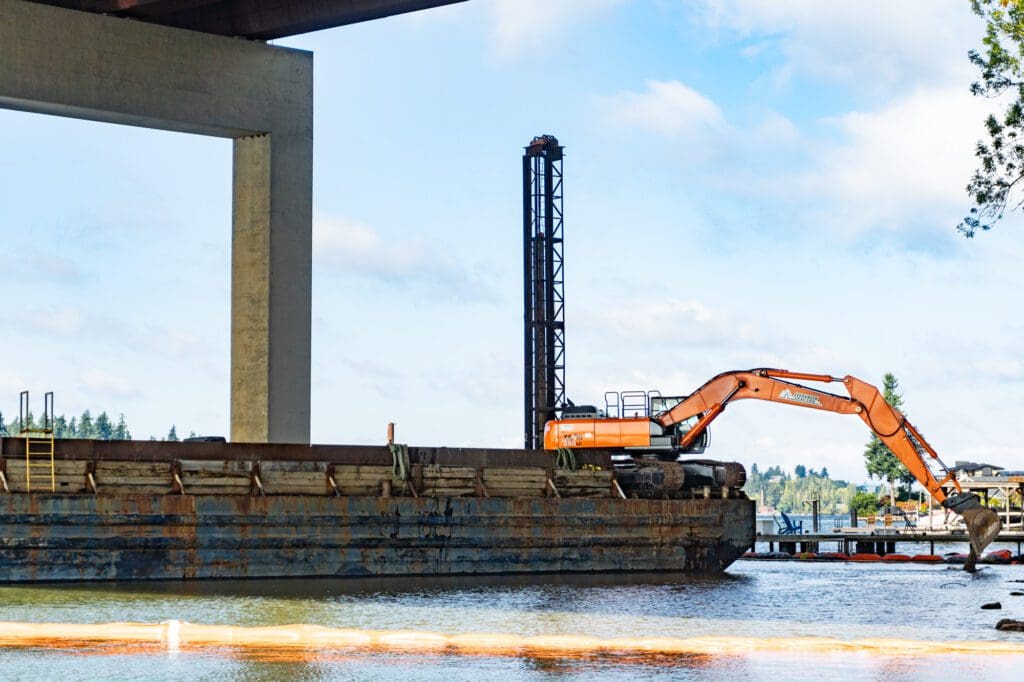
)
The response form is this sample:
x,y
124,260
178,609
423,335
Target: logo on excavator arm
x,y
797,397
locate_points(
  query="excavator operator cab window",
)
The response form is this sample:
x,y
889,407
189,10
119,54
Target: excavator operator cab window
x,y
663,403
683,427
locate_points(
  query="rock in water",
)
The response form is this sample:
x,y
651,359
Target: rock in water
x,y
1017,594
1010,625
992,605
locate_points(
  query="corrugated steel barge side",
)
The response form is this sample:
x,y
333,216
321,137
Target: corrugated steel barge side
x,y
110,520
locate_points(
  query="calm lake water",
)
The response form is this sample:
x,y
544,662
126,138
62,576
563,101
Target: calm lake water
x,y
759,599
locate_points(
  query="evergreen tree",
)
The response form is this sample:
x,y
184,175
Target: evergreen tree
x,y
3,427
121,431
172,434
60,427
800,471
86,429
824,472
104,429
880,461
753,469
73,428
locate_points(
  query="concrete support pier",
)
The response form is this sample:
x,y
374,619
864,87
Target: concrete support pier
x,y
101,68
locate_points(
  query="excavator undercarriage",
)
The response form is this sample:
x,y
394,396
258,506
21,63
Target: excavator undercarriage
x,y
655,479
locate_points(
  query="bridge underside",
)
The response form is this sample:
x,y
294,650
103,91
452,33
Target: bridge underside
x,y
66,63
255,19
177,65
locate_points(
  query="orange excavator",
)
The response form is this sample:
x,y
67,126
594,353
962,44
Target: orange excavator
x,y
682,428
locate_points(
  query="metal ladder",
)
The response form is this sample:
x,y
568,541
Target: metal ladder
x,y
39,448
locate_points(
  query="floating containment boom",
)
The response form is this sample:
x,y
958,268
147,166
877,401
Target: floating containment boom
x,y
306,639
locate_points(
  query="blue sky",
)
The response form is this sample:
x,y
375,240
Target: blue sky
x,y
747,184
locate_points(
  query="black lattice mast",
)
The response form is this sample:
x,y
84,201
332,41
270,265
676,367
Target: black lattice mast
x,y
543,287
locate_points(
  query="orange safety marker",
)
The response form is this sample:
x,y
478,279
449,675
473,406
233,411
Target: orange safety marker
x,y
865,557
305,639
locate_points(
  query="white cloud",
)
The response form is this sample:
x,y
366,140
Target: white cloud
x,y
41,267
901,165
105,383
683,323
667,108
60,322
350,247
674,112
65,323
383,380
999,370
873,45
343,242
11,383
52,267
530,25
174,342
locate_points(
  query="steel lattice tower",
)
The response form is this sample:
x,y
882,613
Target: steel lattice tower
x,y
543,287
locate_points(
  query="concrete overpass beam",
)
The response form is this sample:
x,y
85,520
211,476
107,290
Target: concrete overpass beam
x,y
83,65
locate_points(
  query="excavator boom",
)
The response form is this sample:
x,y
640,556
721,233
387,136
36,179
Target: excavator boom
x,y
864,400
778,385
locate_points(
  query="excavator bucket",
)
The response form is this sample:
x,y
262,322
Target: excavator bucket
x,y
983,524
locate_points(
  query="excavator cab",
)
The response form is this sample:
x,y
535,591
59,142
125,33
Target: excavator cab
x,y
660,404
699,445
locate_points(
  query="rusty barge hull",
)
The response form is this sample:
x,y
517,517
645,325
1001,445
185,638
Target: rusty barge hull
x,y
174,537
158,511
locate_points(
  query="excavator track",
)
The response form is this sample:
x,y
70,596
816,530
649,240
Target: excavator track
x,y
675,477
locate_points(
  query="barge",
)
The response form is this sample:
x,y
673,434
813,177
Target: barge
x,y
148,510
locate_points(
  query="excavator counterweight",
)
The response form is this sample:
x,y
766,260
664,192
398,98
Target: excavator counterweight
x,y
677,429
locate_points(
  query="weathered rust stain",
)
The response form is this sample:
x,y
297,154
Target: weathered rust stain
x,y
130,535
367,536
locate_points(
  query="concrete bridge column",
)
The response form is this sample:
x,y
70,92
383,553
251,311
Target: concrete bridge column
x,y
270,289
89,66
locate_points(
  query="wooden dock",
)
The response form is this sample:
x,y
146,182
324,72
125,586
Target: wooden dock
x,y
881,542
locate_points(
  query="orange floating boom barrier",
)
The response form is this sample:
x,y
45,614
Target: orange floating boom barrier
x,y
181,635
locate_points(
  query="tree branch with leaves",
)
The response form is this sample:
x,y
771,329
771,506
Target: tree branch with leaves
x,y
994,186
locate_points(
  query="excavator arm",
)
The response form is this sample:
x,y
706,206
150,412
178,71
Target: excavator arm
x,y
865,401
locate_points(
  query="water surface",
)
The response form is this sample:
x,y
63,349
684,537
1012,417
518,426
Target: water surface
x,y
758,599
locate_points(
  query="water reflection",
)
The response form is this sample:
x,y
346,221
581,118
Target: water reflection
x,y
753,599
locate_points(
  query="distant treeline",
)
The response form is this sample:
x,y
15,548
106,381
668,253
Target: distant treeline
x,y
780,490
101,427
